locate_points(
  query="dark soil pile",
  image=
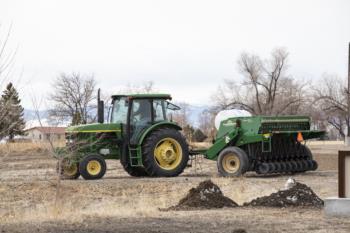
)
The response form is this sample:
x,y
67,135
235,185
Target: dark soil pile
x,y
239,231
300,195
206,195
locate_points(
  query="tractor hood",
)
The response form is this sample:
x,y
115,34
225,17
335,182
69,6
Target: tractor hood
x,y
94,128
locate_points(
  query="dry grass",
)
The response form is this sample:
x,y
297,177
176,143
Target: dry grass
x,y
119,202
21,147
39,146
199,145
325,143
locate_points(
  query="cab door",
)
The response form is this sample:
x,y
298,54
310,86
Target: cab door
x,y
141,118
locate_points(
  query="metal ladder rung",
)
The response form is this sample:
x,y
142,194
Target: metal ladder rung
x,y
136,157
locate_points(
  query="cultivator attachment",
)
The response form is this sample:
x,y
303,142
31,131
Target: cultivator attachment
x,y
286,156
287,166
286,152
263,144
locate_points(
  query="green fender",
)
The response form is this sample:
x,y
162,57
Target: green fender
x,y
156,126
221,143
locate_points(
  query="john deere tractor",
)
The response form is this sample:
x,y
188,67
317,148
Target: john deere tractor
x,y
142,135
139,133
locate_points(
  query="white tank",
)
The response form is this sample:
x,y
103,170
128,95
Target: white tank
x,y
225,114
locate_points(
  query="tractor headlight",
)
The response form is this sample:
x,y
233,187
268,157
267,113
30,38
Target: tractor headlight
x,y
69,141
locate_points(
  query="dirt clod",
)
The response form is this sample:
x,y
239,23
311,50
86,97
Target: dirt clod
x,y
206,195
239,231
300,195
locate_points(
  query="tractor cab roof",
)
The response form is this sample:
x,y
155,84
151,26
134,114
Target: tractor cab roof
x,y
144,96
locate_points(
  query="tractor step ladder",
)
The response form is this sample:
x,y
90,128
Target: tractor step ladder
x,y
135,156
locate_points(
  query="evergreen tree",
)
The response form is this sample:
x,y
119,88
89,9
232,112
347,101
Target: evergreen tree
x,y
198,136
12,121
188,131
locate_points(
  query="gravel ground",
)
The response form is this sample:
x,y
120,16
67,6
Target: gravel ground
x,y
119,203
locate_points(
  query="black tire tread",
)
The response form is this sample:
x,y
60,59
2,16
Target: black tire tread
x,y
149,163
125,162
133,171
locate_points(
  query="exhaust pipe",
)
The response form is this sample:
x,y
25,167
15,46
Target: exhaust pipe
x,y
100,108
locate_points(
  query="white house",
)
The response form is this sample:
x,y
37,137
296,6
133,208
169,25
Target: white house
x,y
37,134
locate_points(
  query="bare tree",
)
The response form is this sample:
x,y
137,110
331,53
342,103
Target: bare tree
x,y
206,123
330,97
7,56
73,95
182,116
145,88
266,88
54,152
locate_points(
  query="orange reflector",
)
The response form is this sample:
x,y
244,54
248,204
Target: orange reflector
x,y
300,137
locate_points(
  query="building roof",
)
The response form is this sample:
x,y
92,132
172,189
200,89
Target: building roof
x,y
49,130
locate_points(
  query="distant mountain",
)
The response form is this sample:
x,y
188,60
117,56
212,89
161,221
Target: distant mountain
x,y
32,120
31,114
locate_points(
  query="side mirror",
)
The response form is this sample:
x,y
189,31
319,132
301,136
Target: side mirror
x,y
100,108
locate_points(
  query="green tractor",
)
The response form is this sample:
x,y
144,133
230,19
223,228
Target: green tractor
x,y
148,143
139,133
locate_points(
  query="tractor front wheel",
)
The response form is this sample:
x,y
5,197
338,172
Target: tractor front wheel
x,y
69,170
165,153
232,161
92,167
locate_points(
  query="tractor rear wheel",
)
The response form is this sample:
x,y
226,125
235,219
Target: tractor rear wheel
x,y
165,153
135,171
232,161
92,167
69,170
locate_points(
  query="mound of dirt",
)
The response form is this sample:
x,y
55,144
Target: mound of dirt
x,y
206,195
299,195
239,231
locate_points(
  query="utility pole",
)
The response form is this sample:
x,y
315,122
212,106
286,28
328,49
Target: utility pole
x,y
347,141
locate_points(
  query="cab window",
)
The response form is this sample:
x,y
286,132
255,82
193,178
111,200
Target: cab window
x,y
119,111
141,111
159,110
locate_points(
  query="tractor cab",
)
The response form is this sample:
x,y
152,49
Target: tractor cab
x,y
137,112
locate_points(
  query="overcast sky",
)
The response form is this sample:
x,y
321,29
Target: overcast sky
x,y
186,47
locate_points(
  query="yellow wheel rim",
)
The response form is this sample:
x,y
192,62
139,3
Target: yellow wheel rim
x,y
93,167
69,169
231,163
168,153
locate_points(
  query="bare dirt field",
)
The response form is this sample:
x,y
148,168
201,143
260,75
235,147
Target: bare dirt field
x,y
120,203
